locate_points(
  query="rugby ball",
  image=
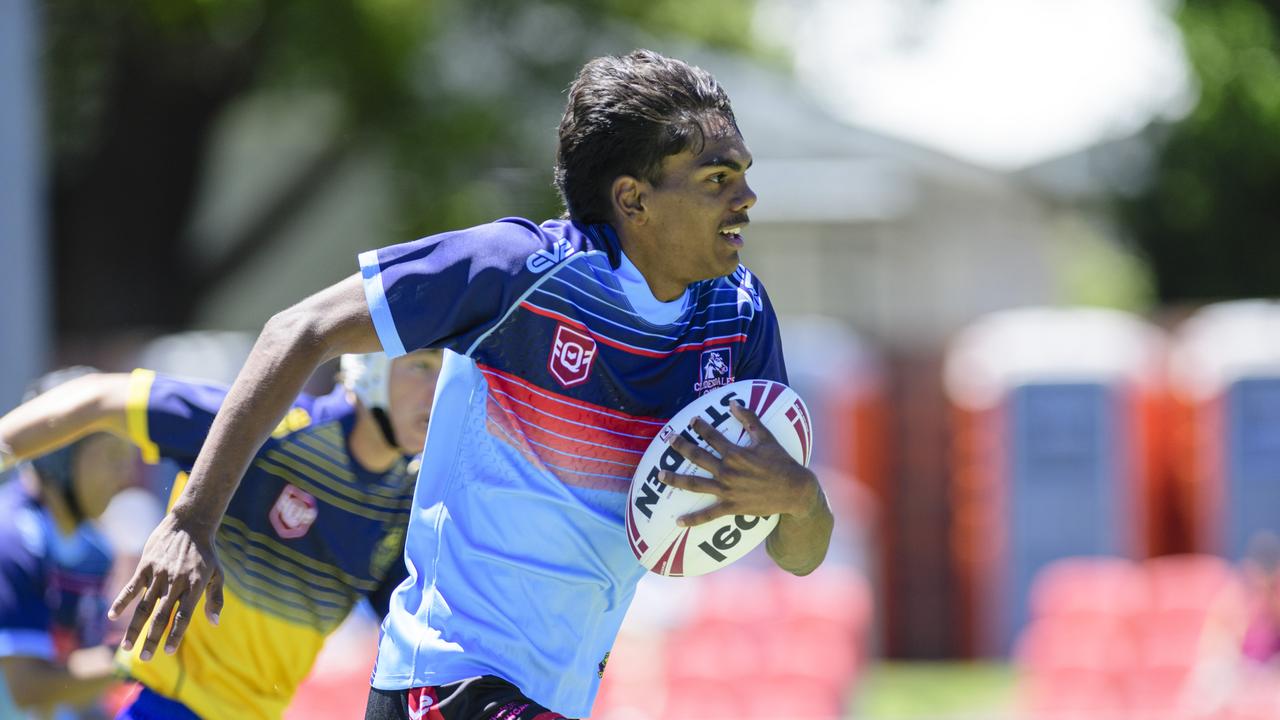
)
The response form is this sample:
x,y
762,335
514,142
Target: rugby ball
x,y
653,507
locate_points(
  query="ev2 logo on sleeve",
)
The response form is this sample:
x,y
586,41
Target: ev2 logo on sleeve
x,y
549,257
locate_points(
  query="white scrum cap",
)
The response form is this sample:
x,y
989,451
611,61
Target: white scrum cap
x,y
368,376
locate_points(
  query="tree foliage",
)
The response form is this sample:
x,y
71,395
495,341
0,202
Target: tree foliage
x,y
135,92
1209,222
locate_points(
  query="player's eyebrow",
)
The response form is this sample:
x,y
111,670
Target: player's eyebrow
x,y
721,161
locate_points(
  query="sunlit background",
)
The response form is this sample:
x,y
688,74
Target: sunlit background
x,y
1022,250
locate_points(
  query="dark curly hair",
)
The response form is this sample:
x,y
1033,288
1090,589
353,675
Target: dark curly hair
x,y
624,116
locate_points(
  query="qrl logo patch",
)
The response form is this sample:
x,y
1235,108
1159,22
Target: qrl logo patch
x,y
293,513
571,356
715,368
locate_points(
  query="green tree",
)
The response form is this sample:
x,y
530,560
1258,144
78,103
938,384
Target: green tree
x,y
1210,222
135,91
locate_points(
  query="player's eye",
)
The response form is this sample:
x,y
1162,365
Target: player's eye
x,y
719,178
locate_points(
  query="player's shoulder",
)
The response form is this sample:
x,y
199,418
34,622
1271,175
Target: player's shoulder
x,y
550,243
520,245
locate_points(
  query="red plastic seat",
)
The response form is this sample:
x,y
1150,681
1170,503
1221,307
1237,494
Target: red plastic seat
x,y
1099,645
838,596
1187,583
811,650
699,699
735,596
1170,639
713,652
1089,587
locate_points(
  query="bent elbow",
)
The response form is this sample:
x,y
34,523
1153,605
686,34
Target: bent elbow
x,y
293,329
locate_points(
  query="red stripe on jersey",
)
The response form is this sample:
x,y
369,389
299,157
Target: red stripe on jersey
x,y
533,441
577,474
567,407
578,325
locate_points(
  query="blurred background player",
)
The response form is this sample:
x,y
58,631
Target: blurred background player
x,y
53,567
319,526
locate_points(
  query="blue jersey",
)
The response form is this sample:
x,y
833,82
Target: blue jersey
x,y
564,367
51,585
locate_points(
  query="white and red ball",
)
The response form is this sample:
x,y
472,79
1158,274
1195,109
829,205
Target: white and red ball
x,y
653,507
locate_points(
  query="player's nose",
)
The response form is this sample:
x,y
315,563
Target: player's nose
x,y
746,199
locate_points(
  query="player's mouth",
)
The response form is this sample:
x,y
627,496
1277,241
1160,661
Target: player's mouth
x,y
733,235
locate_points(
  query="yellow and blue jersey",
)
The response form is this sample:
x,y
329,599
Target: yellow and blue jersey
x,y
306,535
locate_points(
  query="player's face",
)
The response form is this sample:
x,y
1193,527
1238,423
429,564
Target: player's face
x,y
411,387
103,466
698,211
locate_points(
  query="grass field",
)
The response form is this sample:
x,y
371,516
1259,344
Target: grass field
x,y
936,691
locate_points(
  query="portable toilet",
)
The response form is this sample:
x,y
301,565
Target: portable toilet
x,y
1051,453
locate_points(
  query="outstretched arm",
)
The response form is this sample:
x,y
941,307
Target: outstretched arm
x,y
759,479
36,682
179,562
64,414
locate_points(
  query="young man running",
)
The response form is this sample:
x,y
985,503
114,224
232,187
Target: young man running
x,y
572,342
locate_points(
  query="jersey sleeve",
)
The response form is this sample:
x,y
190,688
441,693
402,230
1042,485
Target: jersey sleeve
x,y
170,418
25,618
447,290
762,357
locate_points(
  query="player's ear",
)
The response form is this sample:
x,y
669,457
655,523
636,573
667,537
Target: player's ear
x,y
627,195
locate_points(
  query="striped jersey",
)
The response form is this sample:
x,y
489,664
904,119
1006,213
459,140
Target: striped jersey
x,y
563,368
307,534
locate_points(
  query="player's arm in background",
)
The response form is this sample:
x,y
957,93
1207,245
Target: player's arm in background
x,y
163,416
179,562
64,414
37,682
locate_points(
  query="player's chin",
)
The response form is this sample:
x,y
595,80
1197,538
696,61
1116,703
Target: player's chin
x,y
728,264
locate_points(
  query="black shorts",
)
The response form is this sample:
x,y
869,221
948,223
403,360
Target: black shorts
x,y
480,698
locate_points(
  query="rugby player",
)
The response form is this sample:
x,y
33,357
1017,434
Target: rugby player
x,y
570,343
53,566
319,524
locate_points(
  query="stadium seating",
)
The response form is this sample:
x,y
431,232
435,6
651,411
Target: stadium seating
x,y
755,643
1089,587
1114,638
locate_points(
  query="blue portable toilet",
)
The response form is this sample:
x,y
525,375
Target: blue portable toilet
x,y
1050,452
1225,369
